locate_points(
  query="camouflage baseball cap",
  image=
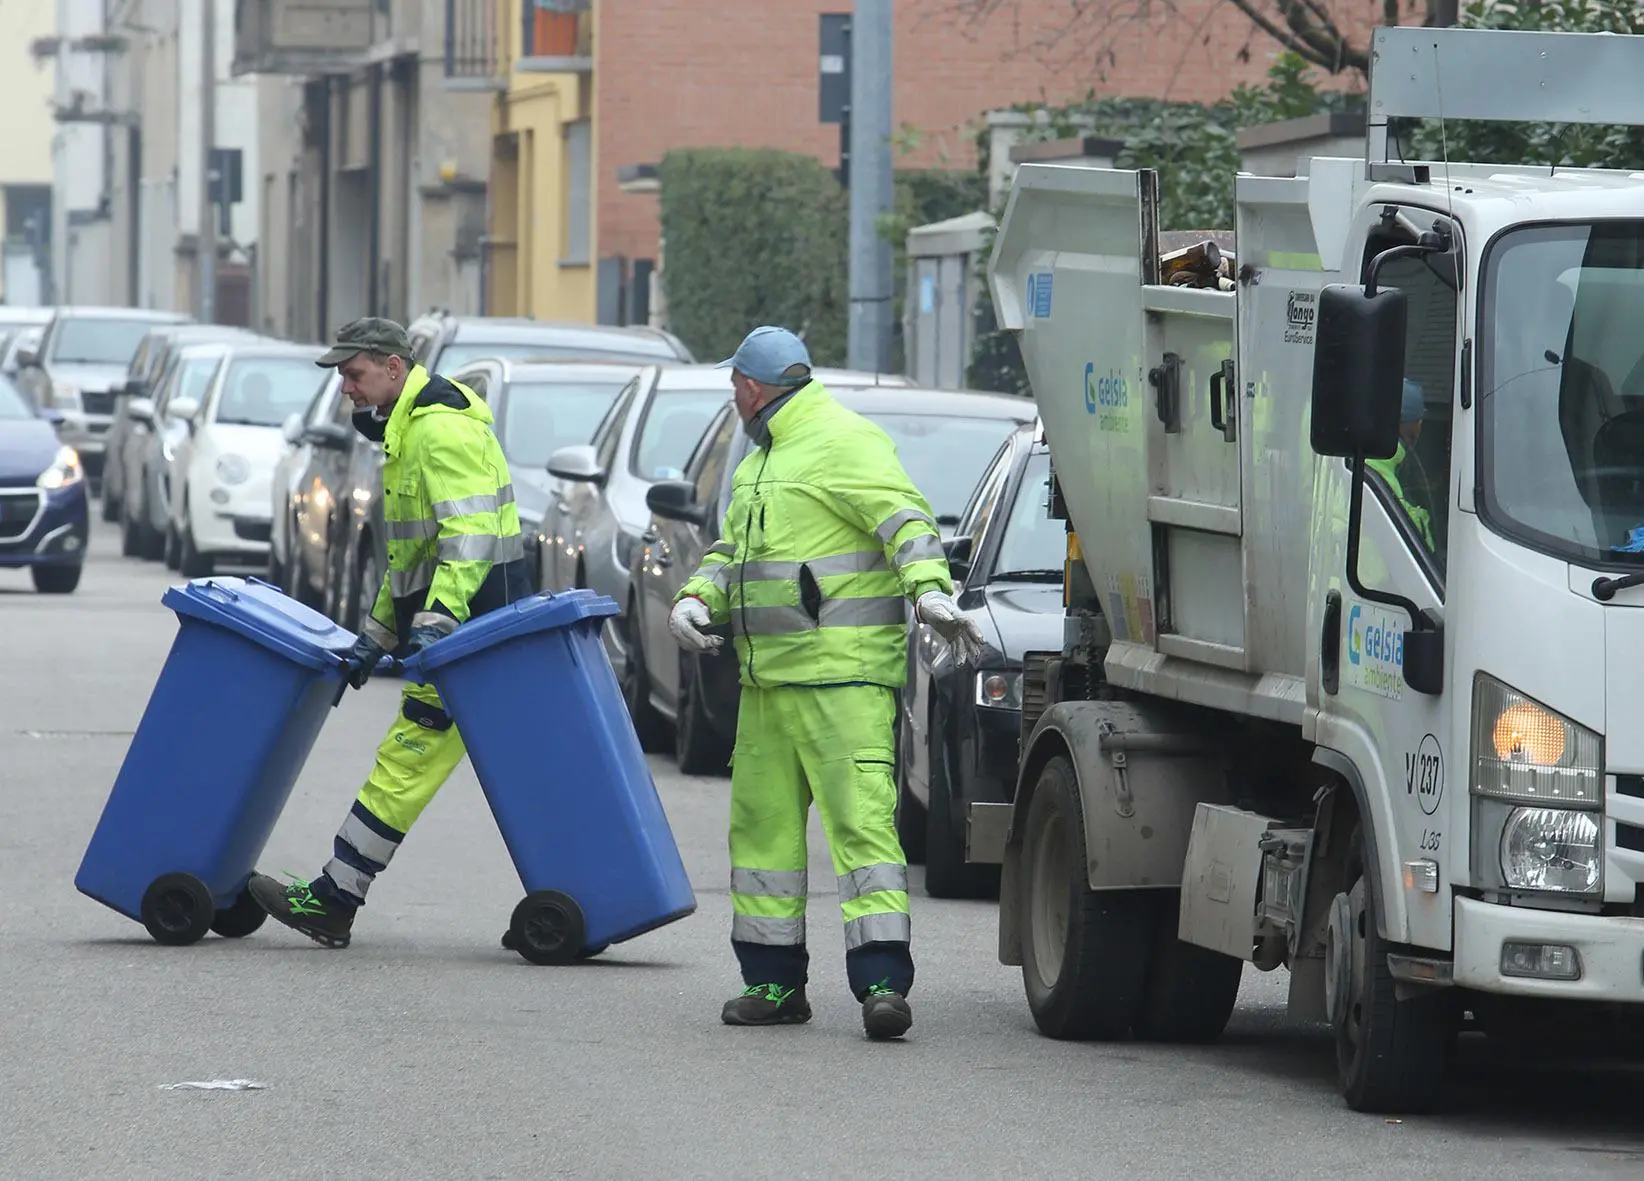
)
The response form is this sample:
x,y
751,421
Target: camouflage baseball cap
x,y
369,334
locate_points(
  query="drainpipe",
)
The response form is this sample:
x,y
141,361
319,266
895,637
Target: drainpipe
x,y
374,249
323,304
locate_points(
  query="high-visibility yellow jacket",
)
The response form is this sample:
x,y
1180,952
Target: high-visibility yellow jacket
x,y
1419,515
824,541
454,547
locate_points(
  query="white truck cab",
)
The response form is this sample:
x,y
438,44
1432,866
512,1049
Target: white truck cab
x,y
1353,680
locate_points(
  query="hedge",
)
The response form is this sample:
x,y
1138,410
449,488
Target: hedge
x,y
753,236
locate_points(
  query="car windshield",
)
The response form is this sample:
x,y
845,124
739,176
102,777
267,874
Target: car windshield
x,y
102,340
456,356
944,456
674,425
537,418
1562,389
12,403
265,391
1033,546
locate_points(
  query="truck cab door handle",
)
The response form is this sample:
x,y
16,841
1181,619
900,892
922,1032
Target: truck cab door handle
x,y
1330,645
1224,409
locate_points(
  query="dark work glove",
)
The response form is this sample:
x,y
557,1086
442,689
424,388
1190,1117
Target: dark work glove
x,y
422,637
362,661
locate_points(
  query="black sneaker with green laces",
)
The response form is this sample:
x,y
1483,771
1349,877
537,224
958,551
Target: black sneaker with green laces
x,y
322,919
767,1004
886,1013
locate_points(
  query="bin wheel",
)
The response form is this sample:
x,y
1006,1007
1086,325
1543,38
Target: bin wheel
x,y
586,953
177,909
547,928
240,919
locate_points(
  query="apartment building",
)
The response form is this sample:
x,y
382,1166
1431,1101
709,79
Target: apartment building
x,y
27,83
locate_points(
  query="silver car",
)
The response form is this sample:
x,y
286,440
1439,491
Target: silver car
x,y
81,364
597,511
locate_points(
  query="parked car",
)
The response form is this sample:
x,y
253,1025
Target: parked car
x,y
445,343
23,341
220,500
945,440
81,360
960,727
44,520
541,406
312,441
148,364
147,449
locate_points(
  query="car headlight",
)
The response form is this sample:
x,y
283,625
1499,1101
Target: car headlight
x,y
1551,849
233,469
65,396
1537,782
1524,751
65,469
999,690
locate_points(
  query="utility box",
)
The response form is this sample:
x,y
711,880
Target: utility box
x,y
947,265
301,36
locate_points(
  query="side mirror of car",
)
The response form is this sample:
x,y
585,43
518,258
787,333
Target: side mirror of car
x,y
958,551
183,409
577,462
140,410
135,388
27,359
675,500
291,430
331,435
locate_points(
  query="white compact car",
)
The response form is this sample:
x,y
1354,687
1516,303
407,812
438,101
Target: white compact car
x,y
221,490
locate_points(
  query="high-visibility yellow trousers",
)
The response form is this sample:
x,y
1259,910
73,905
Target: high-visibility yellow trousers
x,y
836,746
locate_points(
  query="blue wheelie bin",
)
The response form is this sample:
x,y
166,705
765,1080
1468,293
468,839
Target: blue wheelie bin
x,y
540,712
250,679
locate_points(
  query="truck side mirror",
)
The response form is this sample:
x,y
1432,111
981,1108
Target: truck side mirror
x,y
1358,372
1358,384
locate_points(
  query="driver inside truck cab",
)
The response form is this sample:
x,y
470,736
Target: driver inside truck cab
x,y
1404,474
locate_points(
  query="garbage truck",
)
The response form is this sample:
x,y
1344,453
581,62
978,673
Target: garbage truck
x,y
1352,680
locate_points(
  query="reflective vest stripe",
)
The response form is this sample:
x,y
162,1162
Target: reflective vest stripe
x,y
857,562
887,611
408,582
423,530
770,883
891,927
482,502
892,525
748,928
723,548
481,547
872,879
921,547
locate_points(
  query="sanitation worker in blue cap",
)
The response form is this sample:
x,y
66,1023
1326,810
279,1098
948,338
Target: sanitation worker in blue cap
x,y
1403,473
824,542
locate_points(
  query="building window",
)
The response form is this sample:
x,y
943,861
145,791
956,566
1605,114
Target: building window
x,y
578,194
555,28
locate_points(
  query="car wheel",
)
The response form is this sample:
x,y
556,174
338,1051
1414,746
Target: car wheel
x,y
173,548
111,504
947,873
128,537
191,563
636,691
367,581
56,580
698,747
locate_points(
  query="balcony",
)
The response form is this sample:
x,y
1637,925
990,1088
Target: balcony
x,y
301,36
473,60
557,38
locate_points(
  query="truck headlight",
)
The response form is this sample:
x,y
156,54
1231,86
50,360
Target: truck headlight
x,y
1537,782
1524,751
1551,849
999,690
65,469
233,469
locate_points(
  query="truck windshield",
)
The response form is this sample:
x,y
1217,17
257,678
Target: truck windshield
x,y
1561,390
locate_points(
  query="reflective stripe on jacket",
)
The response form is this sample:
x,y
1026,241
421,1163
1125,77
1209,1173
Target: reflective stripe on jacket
x,y
824,541
454,546
1419,516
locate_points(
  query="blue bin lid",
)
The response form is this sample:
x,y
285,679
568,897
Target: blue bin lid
x,y
541,612
261,613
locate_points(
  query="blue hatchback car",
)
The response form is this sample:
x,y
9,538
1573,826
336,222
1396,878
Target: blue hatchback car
x,y
43,501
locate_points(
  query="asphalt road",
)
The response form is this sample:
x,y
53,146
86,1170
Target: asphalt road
x,y
425,1050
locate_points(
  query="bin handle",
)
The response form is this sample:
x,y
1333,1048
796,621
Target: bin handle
x,y
221,593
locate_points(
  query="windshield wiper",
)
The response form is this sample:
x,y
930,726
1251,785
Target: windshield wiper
x,y
1604,589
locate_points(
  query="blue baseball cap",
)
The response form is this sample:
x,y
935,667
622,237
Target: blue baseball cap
x,y
767,353
1413,408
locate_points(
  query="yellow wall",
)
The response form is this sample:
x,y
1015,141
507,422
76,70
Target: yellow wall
x,y
25,95
528,195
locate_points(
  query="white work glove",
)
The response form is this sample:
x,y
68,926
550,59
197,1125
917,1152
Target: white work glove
x,y
943,614
687,620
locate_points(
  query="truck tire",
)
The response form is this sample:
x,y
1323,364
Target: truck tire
x,y
1390,1054
1084,951
1191,990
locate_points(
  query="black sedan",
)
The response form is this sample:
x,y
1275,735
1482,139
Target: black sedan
x,y
944,439
43,502
961,726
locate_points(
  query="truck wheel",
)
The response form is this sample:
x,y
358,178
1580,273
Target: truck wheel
x,y
1191,990
1390,1054
1084,951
